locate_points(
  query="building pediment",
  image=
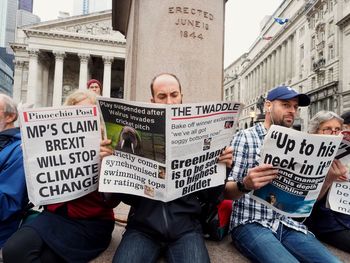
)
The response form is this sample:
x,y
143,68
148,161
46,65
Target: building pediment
x,y
95,25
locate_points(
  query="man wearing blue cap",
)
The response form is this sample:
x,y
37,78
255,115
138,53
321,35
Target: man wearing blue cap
x,y
260,233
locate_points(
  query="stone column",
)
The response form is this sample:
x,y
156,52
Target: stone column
x,y
284,63
265,75
107,71
258,83
268,74
32,76
58,79
254,84
246,82
17,82
273,69
45,86
250,86
261,65
83,74
288,61
290,58
192,28
278,66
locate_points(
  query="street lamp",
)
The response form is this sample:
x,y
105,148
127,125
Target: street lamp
x,y
252,115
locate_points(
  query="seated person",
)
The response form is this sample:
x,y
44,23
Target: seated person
x,y
329,226
170,227
74,231
13,192
259,232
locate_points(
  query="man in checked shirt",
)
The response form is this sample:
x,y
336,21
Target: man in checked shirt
x,y
258,232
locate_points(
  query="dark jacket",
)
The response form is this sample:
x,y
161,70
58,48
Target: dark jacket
x,y
168,221
324,220
13,193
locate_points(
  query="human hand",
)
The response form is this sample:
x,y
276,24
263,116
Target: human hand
x,y
226,157
259,176
337,172
105,148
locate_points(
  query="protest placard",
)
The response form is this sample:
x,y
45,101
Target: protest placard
x,y
338,198
303,161
164,152
61,152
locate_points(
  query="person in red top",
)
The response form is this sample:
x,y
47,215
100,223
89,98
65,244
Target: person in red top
x,y
74,231
95,86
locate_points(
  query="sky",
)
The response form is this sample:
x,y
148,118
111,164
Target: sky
x,y
242,21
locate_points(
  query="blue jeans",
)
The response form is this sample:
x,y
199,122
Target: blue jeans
x,y
138,247
260,244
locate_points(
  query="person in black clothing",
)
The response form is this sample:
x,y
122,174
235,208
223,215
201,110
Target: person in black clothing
x,y
172,228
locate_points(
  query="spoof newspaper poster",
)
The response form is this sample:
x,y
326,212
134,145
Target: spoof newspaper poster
x,y
338,198
164,152
61,152
303,161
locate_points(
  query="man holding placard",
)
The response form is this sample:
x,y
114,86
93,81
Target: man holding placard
x,y
259,232
172,227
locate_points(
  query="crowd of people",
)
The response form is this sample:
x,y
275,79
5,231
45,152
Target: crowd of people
x,y
79,230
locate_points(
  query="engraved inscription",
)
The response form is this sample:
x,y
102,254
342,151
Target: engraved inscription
x,y
193,23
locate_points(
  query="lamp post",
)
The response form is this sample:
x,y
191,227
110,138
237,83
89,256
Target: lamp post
x,y
252,115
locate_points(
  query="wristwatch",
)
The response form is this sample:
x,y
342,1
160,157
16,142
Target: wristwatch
x,y
241,187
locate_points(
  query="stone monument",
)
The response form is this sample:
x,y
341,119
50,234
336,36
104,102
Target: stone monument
x,y
183,37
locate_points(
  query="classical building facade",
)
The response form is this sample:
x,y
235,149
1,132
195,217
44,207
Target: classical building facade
x,y
308,53
56,57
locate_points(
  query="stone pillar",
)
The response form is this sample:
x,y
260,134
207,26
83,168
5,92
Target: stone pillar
x,y
107,71
173,41
273,69
17,82
278,66
284,63
250,85
258,83
58,79
32,91
254,84
265,75
290,58
45,85
83,73
246,82
261,78
268,73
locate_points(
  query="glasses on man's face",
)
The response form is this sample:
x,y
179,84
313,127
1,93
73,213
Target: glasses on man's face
x,y
330,130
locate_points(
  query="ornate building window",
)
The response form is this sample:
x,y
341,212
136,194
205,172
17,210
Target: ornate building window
x,y
313,42
331,53
301,69
330,28
330,75
321,79
312,63
330,5
313,83
301,55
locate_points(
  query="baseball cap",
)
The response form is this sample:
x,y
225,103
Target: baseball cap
x,y
287,93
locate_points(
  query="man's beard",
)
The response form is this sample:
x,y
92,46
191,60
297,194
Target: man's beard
x,y
283,123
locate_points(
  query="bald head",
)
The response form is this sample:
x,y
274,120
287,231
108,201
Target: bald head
x,y
166,89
